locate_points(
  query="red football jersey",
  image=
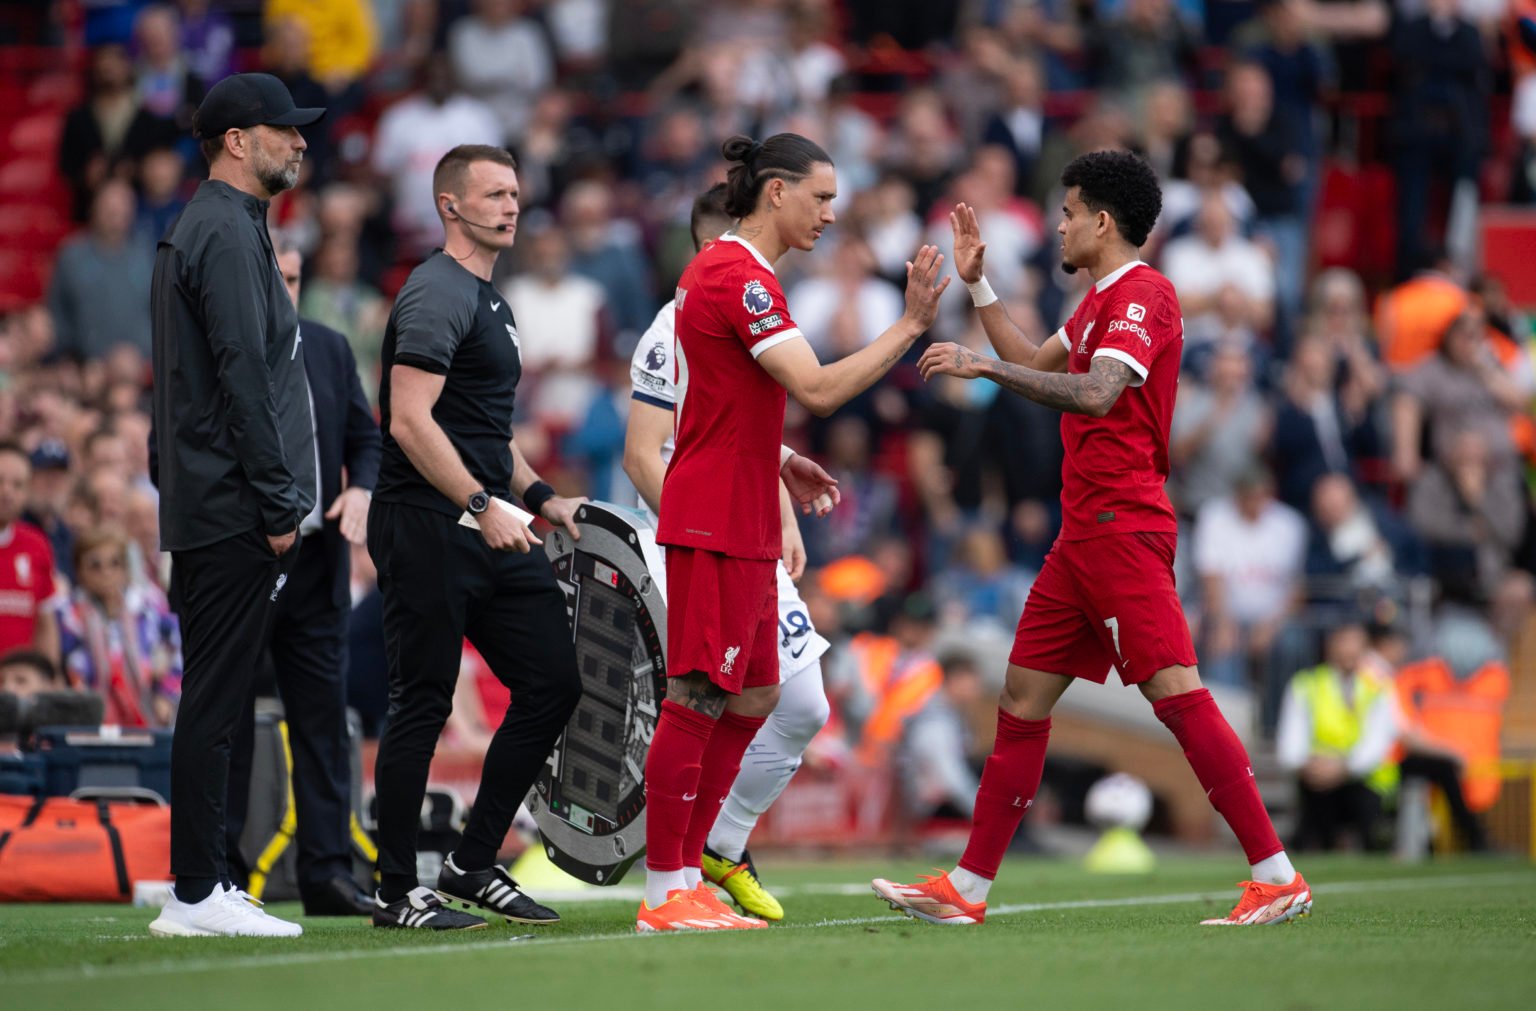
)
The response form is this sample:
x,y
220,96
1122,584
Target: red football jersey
x,y
721,492
1116,466
26,583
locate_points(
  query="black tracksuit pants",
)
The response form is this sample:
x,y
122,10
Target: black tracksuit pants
x,y
307,648
441,584
226,596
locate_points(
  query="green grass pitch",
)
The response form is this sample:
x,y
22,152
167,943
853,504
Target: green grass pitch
x,y
1451,935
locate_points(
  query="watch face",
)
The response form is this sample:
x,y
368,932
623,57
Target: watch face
x,y
479,502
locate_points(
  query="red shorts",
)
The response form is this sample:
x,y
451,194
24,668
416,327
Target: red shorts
x,y
723,618
1101,603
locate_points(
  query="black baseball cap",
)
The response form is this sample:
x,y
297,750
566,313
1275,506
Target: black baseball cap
x,y
245,100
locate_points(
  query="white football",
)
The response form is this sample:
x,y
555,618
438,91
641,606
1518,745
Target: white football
x,y
1119,801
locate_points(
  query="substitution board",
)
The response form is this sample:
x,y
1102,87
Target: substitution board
x,y
589,799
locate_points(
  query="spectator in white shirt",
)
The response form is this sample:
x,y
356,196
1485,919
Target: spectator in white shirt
x,y
559,325
413,136
1215,269
503,59
1249,552
843,308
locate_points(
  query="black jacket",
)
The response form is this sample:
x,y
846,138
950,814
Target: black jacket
x,y
345,435
231,402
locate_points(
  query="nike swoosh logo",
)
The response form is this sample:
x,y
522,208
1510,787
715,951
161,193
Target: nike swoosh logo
x,y
495,306
796,653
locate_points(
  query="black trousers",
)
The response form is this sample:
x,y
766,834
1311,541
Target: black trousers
x,y
306,651
226,596
1350,807
1446,774
440,584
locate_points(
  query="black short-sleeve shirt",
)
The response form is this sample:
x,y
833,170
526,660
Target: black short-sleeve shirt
x,y
449,322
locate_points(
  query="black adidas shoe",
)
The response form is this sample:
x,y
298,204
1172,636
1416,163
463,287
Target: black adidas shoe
x,y
492,890
421,909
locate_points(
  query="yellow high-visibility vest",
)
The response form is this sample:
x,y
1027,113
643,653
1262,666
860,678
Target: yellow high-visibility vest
x,y
1336,724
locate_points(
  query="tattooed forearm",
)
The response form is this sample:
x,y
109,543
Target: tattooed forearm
x,y
1093,393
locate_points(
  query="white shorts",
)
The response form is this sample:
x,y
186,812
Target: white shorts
x,y
800,645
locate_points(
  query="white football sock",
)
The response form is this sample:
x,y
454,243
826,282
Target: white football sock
x,y
659,883
771,760
972,887
692,876
1275,870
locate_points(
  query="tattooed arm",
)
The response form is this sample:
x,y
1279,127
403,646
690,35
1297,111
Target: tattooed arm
x,y
1092,393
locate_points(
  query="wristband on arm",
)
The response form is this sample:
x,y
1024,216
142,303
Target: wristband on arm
x,y
982,294
535,495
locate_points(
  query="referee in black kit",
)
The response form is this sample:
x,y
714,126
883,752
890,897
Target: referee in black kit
x,y
235,467
451,365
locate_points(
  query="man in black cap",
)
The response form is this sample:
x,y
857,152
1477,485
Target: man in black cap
x,y
235,467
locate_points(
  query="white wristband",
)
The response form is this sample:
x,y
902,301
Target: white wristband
x,y
981,293
784,454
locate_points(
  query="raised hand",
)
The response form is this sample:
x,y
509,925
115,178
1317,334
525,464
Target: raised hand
x,y
969,249
922,293
951,360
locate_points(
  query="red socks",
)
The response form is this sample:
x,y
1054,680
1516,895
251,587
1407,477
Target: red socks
x,y
1221,764
672,781
722,761
1008,784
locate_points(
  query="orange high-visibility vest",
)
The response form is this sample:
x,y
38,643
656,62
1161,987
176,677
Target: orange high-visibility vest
x,y
1466,714
1522,427
900,685
1412,318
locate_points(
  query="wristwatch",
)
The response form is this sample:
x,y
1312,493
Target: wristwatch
x,y
479,502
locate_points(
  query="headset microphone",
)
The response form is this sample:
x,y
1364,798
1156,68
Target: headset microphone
x,y
475,224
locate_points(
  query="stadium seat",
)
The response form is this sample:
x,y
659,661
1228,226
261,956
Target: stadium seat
x,y
36,135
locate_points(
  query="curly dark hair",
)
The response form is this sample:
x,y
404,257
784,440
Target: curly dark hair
x,y
1122,184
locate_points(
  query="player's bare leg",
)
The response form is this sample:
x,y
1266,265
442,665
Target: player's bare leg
x,y
1276,893
1008,785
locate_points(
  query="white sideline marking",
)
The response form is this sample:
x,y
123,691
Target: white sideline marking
x,y
74,974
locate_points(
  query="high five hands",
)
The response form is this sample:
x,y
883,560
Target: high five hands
x,y
922,293
952,359
969,249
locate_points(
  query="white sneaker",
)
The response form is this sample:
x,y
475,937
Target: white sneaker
x,y
227,912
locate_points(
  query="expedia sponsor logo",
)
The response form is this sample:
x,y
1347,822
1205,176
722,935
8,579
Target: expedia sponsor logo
x,y
1137,329
762,326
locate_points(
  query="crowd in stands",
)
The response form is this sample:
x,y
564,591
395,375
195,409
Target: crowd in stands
x,y
1354,427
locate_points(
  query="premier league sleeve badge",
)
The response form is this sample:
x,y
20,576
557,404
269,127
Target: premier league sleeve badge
x,y
756,298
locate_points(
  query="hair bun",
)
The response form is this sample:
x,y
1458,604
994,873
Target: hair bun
x,y
741,148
